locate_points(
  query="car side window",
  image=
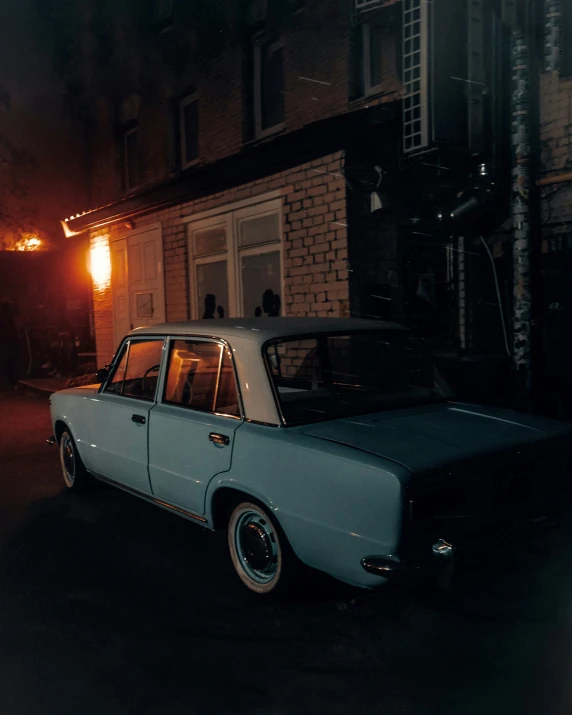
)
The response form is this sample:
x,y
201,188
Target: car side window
x,y
138,371
115,382
200,376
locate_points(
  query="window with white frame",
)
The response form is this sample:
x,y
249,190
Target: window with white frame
x,y
415,74
372,39
131,158
268,85
236,263
189,130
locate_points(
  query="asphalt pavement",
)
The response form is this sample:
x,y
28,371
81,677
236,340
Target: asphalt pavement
x,y
111,606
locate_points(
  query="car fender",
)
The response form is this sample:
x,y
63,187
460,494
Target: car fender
x,y
66,406
335,504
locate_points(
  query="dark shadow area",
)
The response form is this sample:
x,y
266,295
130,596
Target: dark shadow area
x,y
111,605
142,611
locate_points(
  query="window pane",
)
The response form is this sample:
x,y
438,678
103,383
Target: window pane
x,y
227,398
375,37
143,369
190,130
272,89
261,229
132,159
209,240
192,374
295,363
116,382
341,376
212,290
261,285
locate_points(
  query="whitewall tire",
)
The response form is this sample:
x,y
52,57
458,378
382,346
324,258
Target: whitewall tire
x,y
73,470
260,553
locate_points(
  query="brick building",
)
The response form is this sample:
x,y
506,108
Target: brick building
x,y
555,181
300,165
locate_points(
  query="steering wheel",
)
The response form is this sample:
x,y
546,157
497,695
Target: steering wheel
x,y
153,368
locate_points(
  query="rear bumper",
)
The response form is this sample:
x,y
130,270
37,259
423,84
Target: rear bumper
x,y
442,559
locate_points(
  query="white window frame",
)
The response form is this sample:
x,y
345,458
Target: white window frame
x,y
419,60
183,135
368,88
231,219
267,209
258,131
126,134
218,257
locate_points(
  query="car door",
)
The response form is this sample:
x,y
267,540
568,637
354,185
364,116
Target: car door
x,y
120,416
192,428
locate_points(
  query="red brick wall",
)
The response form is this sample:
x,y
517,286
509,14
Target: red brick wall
x,y
556,146
315,245
316,47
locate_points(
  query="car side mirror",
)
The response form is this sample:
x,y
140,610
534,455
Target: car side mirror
x,y
102,374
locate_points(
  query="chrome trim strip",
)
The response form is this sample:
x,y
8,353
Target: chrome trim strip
x,y
264,424
178,509
220,359
149,498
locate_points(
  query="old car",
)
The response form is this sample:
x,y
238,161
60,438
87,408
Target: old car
x,y
327,442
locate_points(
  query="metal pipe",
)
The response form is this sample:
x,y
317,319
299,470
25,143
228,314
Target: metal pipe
x,y
554,179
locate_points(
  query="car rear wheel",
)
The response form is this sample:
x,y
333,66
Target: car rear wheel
x,y
259,550
73,470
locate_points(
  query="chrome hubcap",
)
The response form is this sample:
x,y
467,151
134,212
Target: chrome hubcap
x,y
256,546
68,458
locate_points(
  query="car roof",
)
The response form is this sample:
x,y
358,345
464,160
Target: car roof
x,y
263,329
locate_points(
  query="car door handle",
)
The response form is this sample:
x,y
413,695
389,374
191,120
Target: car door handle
x,y
219,438
138,419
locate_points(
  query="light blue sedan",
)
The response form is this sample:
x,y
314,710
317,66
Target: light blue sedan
x,y
331,443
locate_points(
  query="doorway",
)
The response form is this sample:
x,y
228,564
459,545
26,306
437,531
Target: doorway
x,y
137,280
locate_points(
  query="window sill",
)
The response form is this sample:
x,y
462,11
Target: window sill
x,y
374,96
191,164
266,135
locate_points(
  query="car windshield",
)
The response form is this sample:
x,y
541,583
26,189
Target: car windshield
x,y
321,377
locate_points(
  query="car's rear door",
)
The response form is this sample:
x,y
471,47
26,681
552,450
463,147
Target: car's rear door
x,y
192,427
119,418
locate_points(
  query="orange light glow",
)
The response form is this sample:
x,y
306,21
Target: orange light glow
x,y
100,266
27,243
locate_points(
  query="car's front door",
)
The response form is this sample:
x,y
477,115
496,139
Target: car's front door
x,y
120,416
192,428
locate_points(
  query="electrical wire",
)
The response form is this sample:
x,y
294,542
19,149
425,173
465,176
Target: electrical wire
x,y
488,250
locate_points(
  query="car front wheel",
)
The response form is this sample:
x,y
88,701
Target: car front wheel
x,y
74,473
260,554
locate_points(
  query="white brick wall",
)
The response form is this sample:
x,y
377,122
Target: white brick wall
x,y
315,245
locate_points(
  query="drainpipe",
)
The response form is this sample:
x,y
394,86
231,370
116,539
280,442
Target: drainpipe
x,y
520,211
526,214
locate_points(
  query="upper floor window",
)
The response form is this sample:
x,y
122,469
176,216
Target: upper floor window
x,y
268,85
372,57
366,59
131,158
189,130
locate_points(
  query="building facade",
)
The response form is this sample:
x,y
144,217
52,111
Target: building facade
x,y
297,158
